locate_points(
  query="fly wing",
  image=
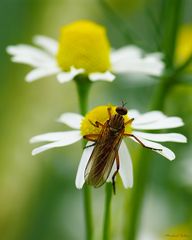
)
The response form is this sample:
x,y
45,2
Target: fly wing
x,y
102,158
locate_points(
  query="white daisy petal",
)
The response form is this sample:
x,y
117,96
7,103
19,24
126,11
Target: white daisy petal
x,y
68,76
55,136
132,113
80,179
140,66
113,169
27,50
149,117
24,49
32,56
162,137
155,55
126,168
126,53
46,43
130,60
25,60
73,120
64,142
168,122
38,73
166,152
107,76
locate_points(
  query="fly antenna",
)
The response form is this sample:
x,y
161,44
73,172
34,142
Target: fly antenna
x,y
123,103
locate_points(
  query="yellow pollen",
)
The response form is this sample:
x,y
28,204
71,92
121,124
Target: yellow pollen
x,y
99,114
184,44
84,44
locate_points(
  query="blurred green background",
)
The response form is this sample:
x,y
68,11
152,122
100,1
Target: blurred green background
x,y
38,198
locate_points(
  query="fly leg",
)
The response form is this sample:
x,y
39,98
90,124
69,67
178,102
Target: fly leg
x,y
92,138
109,109
90,145
115,173
96,124
139,141
129,121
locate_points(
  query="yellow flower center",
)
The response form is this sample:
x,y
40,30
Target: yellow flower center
x,y
84,44
184,44
101,115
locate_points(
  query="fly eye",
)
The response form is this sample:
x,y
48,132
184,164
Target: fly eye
x,y
121,110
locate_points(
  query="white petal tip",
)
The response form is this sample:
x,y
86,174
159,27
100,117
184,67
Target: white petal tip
x,y
106,76
180,123
61,80
68,76
167,153
37,37
58,120
182,139
33,139
34,153
79,182
129,183
9,49
78,186
172,158
129,186
37,151
28,80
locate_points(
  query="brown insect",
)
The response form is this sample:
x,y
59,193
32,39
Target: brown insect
x,y
107,144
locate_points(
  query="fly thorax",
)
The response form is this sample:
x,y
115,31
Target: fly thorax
x,y
116,123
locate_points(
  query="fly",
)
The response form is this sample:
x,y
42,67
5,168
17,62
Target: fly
x,y
107,144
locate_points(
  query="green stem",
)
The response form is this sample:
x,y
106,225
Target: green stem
x,y
88,212
184,79
142,174
173,12
83,86
106,222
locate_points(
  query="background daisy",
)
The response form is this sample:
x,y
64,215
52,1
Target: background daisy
x,y
83,48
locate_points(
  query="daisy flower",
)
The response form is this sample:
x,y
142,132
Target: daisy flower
x,y
83,48
84,126
184,45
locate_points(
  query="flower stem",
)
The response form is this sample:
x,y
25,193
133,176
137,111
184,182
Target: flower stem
x,y
83,86
88,212
143,169
172,15
106,222
142,177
